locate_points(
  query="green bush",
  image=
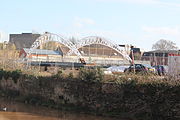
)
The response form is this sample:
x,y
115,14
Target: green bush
x,y
91,75
59,74
15,75
70,76
6,74
1,73
127,81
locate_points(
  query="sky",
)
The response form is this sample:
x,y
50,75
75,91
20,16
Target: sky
x,y
137,22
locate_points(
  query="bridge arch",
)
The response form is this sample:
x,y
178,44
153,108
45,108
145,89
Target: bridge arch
x,y
102,41
47,37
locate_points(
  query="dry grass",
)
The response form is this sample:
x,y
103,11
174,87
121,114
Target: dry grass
x,y
143,79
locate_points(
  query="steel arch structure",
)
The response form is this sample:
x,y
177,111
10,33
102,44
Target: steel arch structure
x,y
47,37
102,41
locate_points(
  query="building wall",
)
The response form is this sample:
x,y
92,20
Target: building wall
x,y
24,40
97,50
158,57
40,57
46,58
155,60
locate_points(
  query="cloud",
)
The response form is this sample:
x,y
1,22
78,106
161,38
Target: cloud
x,y
81,22
162,30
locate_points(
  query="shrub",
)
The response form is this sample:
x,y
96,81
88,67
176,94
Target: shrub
x,y
129,81
91,75
15,75
59,74
1,73
71,75
6,74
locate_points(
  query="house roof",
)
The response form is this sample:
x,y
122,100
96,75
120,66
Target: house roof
x,y
43,51
24,40
164,51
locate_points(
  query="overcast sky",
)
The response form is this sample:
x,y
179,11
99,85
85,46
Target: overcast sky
x,y
137,22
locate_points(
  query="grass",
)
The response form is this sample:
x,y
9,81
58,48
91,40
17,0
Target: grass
x,y
95,75
142,79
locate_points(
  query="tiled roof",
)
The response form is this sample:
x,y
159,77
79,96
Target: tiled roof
x,y
43,52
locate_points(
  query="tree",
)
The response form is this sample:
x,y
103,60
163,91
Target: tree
x,y
1,46
10,46
164,45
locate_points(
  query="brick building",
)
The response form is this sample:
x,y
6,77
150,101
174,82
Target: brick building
x,y
158,57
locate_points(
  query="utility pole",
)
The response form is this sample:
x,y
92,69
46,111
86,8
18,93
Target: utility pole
x,y
133,61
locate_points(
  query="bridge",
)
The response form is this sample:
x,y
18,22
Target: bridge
x,y
87,48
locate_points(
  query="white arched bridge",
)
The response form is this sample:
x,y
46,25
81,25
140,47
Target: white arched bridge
x,y
75,47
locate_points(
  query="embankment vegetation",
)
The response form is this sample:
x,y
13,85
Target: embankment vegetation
x,y
128,96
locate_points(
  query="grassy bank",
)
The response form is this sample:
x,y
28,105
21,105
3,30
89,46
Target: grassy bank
x,y
129,96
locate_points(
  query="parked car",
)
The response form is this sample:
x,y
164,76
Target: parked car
x,y
117,68
150,68
161,69
140,68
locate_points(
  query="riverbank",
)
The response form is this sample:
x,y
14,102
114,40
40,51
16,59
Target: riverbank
x,y
129,97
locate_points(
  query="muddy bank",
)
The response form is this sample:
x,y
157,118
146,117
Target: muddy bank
x,y
150,101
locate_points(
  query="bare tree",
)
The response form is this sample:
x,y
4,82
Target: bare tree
x,y
10,46
164,45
